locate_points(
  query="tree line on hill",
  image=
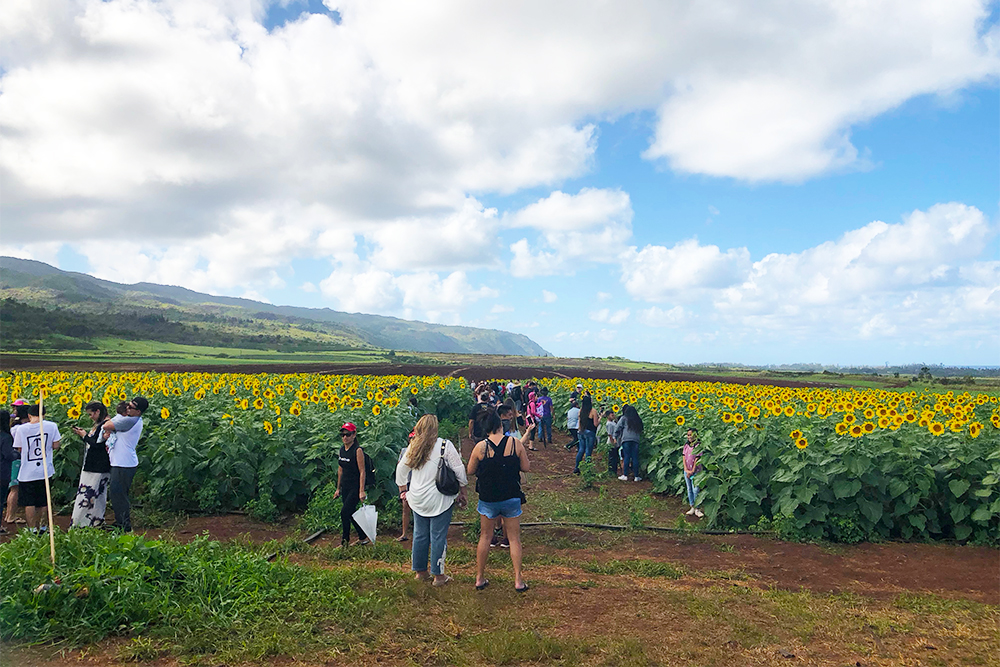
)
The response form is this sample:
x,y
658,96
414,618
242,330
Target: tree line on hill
x,y
27,327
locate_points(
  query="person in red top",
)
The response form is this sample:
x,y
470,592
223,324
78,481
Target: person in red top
x,y
691,466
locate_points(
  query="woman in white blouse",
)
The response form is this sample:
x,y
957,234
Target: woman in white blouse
x,y
431,508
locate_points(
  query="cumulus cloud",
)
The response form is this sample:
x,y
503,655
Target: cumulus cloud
x,y
549,297
609,316
681,272
591,226
881,279
657,317
422,295
171,117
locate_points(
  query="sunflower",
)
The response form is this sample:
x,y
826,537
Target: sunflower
x,y
296,409
789,410
268,427
727,417
244,404
680,420
801,443
376,409
841,428
74,413
868,427
258,403
974,429
738,417
849,418
857,431
64,399
795,435
883,422
936,428
413,390
164,413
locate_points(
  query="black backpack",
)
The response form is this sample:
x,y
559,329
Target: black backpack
x,y
515,393
369,471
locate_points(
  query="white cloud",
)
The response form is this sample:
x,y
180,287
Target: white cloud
x,y
188,123
879,281
683,271
670,319
611,317
603,296
592,226
605,335
308,287
500,308
421,295
466,238
549,297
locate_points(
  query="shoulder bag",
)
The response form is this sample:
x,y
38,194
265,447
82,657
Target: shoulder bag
x,y
446,480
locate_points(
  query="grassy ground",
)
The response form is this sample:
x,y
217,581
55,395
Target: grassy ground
x,y
360,607
597,598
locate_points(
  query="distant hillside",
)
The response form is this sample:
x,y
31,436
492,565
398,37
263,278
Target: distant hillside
x,y
46,308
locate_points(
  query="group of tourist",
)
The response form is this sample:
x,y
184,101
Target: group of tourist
x,y
28,442
430,474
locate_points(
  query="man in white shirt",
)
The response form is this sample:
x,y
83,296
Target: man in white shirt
x,y
30,438
124,462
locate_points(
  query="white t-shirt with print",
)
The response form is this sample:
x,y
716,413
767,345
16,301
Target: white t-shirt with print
x,y
28,439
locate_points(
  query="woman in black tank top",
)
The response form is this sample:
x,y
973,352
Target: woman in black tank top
x,y
499,461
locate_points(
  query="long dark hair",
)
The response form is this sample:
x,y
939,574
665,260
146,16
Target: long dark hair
x,y
632,418
586,405
4,421
102,410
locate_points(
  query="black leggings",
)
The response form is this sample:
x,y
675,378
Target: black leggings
x,y
351,500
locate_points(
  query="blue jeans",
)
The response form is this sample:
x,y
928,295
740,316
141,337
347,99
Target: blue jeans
x,y
545,429
630,456
587,441
692,489
430,534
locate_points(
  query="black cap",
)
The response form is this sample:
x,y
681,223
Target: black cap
x,y
140,403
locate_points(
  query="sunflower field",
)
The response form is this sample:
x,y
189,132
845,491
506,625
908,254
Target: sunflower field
x,y
215,441
819,463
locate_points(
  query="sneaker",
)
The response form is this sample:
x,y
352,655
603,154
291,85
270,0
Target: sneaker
x,y
623,478
576,472
505,543
637,479
495,540
698,513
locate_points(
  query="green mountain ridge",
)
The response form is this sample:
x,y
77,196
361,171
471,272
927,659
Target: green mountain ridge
x,y
47,308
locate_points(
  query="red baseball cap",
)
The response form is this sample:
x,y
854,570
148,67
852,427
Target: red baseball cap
x,y
413,434
349,427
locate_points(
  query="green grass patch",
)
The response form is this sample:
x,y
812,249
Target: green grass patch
x,y
638,567
198,598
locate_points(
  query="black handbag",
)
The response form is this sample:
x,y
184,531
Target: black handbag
x,y
446,480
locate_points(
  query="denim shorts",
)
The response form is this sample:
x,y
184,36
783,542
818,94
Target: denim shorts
x,y
508,509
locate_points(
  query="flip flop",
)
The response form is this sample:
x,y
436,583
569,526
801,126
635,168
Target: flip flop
x,y
521,590
402,538
483,585
441,582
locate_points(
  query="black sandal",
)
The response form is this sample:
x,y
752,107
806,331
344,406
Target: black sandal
x,y
522,590
483,585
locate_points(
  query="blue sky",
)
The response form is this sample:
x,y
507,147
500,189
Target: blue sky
x,y
751,185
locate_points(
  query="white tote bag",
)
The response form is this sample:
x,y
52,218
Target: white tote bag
x,y
367,518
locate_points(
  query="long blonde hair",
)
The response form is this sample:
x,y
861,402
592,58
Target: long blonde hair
x,y
425,436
